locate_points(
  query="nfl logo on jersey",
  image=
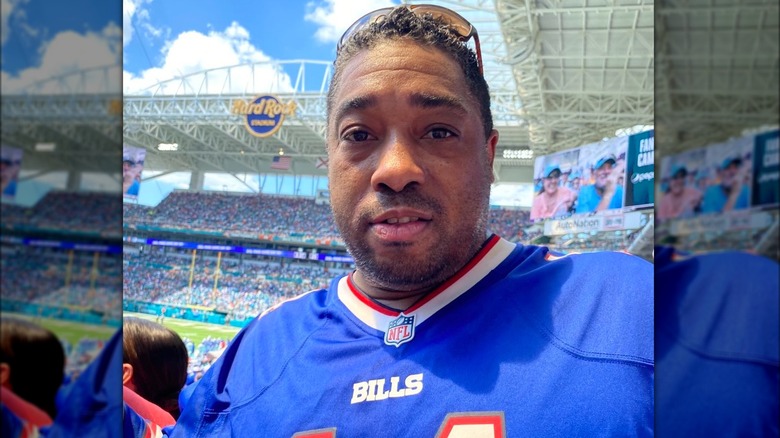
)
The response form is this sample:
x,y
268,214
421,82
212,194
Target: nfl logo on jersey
x,y
400,330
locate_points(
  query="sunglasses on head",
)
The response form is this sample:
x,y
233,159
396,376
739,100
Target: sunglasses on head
x,y
460,25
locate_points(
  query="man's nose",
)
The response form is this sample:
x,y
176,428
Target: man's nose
x,y
399,165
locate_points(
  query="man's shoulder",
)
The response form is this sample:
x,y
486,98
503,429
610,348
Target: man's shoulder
x,y
597,305
255,357
296,317
692,191
587,190
722,303
713,190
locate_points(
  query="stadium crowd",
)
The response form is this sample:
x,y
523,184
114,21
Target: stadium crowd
x,y
47,276
225,213
270,215
243,289
81,212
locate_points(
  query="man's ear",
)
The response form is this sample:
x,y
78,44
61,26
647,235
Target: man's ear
x,y
490,145
5,375
127,373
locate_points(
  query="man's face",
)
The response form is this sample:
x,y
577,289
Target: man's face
x,y
8,171
131,169
602,174
410,168
677,184
728,176
551,183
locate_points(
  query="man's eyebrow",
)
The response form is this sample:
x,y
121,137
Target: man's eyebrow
x,y
356,103
426,100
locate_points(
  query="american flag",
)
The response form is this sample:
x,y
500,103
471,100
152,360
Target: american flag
x,y
281,163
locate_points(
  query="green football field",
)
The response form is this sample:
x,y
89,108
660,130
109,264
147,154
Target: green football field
x,y
193,330
73,331
69,330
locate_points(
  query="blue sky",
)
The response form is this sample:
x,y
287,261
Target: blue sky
x,y
165,39
154,40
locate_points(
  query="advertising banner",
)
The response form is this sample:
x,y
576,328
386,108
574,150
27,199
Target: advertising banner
x,y
640,169
766,170
594,223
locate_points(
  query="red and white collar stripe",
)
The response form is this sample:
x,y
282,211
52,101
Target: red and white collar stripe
x,y
378,317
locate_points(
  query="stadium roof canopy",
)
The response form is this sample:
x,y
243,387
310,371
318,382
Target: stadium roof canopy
x,y
717,72
562,73
79,114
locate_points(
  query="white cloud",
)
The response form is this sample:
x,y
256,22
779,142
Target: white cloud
x,y
13,11
335,16
134,12
70,54
193,52
6,8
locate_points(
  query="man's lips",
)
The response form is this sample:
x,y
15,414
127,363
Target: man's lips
x,y
400,225
401,216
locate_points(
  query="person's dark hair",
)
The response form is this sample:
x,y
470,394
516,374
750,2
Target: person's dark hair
x,y
159,359
426,31
36,360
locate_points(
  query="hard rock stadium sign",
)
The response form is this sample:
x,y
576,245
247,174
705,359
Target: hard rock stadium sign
x,y
263,115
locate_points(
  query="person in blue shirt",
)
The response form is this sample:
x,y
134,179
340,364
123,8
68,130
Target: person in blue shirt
x,y
444,329
132,166
10,163
730,194
605,193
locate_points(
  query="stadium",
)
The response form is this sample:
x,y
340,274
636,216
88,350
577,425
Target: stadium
x,y
207,258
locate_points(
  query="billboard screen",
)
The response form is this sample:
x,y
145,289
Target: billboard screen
x,y
9,172
132,167
608,175
737,175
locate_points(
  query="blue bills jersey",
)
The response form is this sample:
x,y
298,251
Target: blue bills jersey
x,y
520,342
717,344
92,404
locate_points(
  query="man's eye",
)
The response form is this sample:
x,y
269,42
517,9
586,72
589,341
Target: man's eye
x,y
358,136
439,133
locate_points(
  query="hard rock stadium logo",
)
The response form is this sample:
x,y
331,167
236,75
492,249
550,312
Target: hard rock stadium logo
x,y
263,115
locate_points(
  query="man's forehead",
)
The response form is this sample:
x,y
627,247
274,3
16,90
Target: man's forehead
x,y
406,63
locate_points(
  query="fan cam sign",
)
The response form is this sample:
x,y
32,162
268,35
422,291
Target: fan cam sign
x,y
264,115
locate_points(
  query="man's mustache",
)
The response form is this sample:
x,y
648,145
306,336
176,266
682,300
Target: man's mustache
x,y
407,198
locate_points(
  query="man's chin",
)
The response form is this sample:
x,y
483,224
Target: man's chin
x,y
403,266
401,277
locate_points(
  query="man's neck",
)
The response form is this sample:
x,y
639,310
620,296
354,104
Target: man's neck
x,y
398,300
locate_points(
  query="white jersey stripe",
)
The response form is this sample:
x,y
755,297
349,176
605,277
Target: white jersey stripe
x,y
380,321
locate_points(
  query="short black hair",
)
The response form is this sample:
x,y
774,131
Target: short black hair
x,y
36,359
426,31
